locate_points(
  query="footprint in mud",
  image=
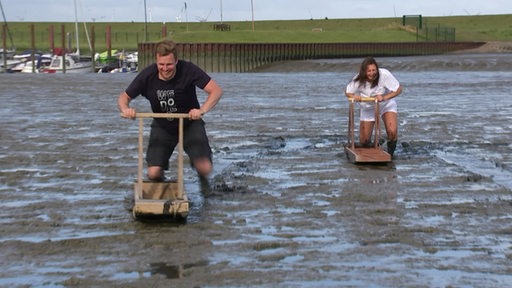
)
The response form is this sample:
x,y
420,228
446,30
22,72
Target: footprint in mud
x,y
277,143
174,271
220,185
223,184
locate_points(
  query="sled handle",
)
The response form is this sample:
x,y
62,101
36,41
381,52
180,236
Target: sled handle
x,y
160,115
364,99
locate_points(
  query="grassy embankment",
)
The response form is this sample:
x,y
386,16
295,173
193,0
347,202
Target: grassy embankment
x,y
127,35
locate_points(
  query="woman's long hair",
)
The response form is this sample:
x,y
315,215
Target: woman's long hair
x,y
362,78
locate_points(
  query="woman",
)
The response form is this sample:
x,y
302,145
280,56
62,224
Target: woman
x,y
372,81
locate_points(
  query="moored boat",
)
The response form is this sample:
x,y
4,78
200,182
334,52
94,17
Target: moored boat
x,y
69,63
63,62
119,62
39,65
7,60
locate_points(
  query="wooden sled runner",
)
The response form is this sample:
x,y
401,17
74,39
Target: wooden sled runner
x,y
166,198
357,153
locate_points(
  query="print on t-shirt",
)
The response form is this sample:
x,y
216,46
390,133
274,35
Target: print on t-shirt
x,y
166,100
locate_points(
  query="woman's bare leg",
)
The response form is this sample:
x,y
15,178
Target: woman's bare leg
x,y
365,132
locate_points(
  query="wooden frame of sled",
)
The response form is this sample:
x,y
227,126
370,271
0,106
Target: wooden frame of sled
x,y
166,198
357,153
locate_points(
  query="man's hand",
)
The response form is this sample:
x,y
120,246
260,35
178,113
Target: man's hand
x,y
128,113
195,114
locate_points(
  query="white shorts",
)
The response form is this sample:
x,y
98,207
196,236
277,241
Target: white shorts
x,y
368,109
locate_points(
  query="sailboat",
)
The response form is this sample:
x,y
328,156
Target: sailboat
x,y
70,62
6,55
6,58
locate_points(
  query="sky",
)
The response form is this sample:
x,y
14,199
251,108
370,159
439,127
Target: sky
x,y
165,11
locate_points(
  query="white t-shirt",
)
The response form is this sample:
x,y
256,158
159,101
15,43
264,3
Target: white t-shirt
x,y
387,83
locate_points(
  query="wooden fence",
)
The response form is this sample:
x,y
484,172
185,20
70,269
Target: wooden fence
x,y
226,57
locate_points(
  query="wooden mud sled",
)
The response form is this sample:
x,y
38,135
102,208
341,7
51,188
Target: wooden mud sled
x,y
168,198
373,153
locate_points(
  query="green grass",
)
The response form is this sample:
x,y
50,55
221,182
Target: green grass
x,y
127,35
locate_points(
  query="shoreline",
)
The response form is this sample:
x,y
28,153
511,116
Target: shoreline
x,y
491,47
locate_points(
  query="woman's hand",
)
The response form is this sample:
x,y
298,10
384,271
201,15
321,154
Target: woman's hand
x,y
356,98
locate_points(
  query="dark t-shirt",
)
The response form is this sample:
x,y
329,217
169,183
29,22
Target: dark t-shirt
x,y
177,95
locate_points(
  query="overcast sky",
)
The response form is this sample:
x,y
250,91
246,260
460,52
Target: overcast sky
x,y
240,10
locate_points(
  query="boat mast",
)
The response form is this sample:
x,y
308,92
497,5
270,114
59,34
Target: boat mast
x,y
76,31
85,26
5,21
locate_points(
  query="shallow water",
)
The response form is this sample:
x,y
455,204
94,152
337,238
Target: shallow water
x,y
288,209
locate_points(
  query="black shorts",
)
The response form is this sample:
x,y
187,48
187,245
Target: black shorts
x,y
162,143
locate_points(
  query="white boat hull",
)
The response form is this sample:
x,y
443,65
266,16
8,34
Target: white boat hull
x,y
73,65
74,70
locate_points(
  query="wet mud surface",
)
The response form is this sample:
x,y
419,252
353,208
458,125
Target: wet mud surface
x,y
286,208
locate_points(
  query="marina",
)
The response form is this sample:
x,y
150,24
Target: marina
x,y
59,62
66,58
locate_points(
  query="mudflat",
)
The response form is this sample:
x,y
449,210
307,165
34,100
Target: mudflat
x,y
287,209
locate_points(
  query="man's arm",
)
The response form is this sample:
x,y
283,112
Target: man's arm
x,y
123,103
214,94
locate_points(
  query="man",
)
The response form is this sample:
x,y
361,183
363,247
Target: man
x,y
170,86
